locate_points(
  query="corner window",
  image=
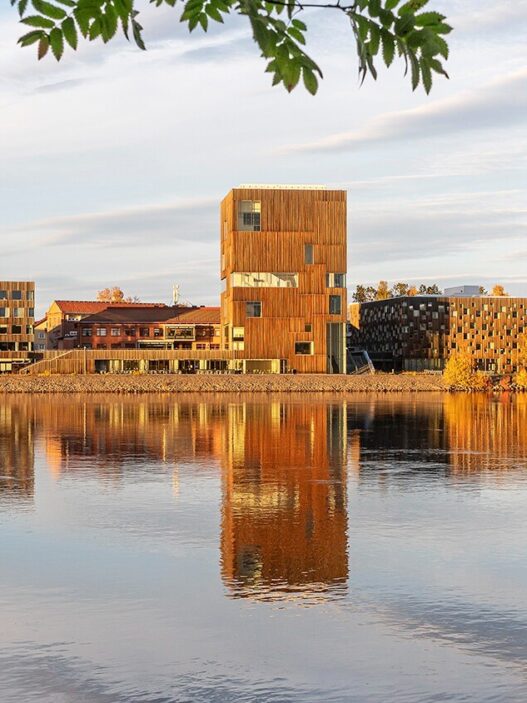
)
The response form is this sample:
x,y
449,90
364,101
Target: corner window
x,y
249,215
253,309
335,305
304,348
308,253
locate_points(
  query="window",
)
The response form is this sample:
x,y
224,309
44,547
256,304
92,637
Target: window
x,y
31,312
41,335
158,332
238,334
18,312
16,329
3,329
335,280
335,305
253,309
249,215
308,328
30,295
29,329
308,253
144,332
130,331
16,295
4,312
115,332
3,295
100,332
86,331
305,348
264,280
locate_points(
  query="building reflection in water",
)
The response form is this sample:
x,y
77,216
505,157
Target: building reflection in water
x,y
284,518
284,463
17,473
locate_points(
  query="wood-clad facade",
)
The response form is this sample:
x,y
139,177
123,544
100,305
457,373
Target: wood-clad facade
x,y
283,260
17,316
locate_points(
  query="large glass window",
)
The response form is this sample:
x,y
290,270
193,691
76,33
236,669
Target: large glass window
x,y
249,215
335,305
253,308
308,254
305,348
336,280
264,280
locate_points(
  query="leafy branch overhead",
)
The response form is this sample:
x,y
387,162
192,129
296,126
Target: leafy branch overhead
x,y
387,28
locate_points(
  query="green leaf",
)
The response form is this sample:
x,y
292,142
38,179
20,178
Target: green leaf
x,y
310,80
213,13
388,47
426,74
49,10
69,30
56,41
38,21
30,38
391,4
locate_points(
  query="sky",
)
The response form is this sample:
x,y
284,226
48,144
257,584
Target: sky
x,y
114,161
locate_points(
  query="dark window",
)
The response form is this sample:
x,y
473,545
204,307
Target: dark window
x,y
158,332
253,309
16,329
308,253
86,331
304,348
3,329
3,295
307,328
130,331
16,295
335,305
3,312
145,332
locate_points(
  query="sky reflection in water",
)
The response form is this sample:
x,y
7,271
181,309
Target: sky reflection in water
x,y
223,548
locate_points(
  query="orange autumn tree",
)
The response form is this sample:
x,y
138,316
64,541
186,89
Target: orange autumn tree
x,y
114,295
520,378
459,373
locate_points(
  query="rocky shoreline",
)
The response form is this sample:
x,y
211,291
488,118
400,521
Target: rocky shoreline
x,y
212,383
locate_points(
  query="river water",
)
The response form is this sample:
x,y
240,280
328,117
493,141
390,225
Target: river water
x,y
160,549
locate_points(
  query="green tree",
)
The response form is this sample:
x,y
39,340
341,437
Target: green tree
x,y
371,293
386,28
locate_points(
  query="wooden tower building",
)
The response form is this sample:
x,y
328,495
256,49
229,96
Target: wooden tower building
x,y
283,260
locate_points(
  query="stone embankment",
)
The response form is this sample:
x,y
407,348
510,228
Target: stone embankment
x,y
212,383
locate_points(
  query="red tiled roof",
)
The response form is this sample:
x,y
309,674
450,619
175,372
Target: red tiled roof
x,y
198,316
94,306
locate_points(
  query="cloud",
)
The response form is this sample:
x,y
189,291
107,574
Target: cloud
x,y
192,220
502,103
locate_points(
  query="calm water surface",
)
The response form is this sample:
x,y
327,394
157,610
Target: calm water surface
x,y
216,548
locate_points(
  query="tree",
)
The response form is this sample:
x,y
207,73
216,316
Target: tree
x,y
359,296
412,290
400,289
115,295
383,291
498,290
459,373
387,27
483,290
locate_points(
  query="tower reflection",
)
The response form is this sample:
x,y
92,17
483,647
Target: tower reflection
x,y
284,515
17,460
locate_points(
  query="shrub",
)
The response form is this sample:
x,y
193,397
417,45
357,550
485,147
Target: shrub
x,y
459,371
520,379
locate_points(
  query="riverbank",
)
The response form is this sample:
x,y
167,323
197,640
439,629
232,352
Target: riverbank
x,y
212,383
